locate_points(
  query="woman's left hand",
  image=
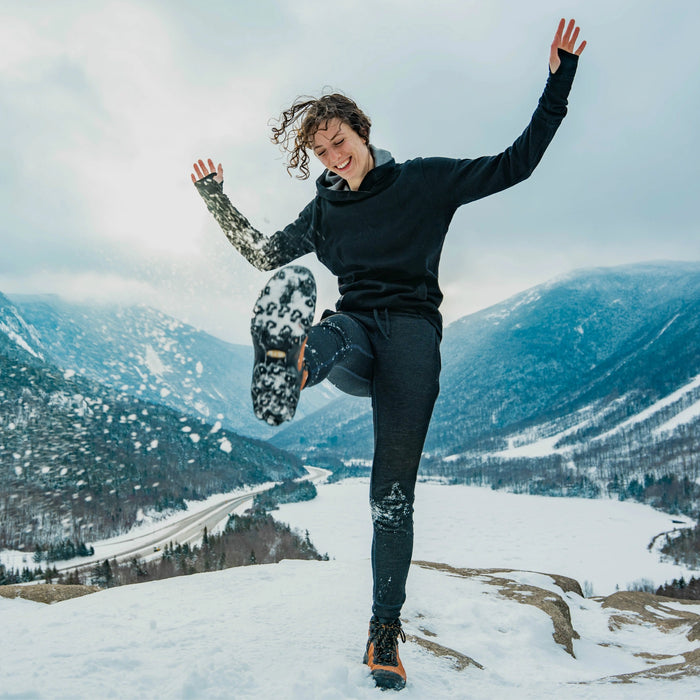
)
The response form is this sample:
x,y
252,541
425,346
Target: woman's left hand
x,y
201,171
566,41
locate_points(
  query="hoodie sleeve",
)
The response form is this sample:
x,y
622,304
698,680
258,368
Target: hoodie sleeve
x,y
462,181
264,253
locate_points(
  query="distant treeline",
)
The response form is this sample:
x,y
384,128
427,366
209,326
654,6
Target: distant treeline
x,y
62,551
10,577
288,491
679,588
248,539
683,546
553,476
255,538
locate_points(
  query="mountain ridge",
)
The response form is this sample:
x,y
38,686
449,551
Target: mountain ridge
x,y
78,460
607,341
152,356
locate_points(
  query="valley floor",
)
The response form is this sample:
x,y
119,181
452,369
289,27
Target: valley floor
x,y
601,543
297,629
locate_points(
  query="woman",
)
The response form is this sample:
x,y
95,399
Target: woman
x,y
379,227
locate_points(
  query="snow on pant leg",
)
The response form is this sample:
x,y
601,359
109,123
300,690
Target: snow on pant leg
x,y
339,349
404,389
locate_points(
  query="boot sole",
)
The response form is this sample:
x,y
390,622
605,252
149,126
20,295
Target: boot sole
x,y
282,317
386,680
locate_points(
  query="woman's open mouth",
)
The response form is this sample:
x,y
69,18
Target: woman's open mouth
x,y
344,165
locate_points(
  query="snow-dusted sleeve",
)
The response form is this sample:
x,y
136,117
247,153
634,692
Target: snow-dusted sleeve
x,y
265,253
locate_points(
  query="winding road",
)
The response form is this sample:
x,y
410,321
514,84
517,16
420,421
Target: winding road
x,y
187,528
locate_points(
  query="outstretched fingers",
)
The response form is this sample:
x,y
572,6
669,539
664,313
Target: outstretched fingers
x,y
570,37
202,169
565,38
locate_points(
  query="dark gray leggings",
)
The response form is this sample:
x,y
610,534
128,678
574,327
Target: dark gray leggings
x,y
394,358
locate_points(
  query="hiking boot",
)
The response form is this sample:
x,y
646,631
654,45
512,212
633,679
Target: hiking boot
x,y
282,317
382,653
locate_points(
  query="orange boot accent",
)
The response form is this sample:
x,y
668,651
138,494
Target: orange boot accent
x,y
382,654
300,364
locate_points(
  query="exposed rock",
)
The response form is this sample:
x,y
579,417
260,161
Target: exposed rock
x,y
549,602
47,592
625,610
637,607
690,666
459,661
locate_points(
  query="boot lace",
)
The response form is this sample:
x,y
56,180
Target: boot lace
x,y
385,637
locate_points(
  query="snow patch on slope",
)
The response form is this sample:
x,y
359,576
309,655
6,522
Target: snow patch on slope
x,y
153,362
654,408
13,327
685,416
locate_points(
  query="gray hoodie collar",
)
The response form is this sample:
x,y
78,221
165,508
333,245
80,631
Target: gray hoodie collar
x,y
333,181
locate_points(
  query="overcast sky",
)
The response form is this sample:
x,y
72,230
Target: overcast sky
x,y
105,105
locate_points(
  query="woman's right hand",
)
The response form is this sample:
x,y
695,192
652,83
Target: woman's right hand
x,y
566,41
201,170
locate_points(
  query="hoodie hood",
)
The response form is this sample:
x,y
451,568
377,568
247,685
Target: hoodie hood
x,y
331,186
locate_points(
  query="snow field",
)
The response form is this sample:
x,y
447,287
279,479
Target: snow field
x,y
599,542
296,630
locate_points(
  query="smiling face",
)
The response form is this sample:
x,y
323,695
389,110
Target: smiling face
x,y
343,151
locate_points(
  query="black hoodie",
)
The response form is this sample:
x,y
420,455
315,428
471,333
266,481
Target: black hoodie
x,y
383,241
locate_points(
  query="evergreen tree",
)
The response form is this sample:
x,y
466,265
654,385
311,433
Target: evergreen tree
x,y
38,554
73,578
102,574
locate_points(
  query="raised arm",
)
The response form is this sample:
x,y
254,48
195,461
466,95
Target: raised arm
x,y
467,180
260,251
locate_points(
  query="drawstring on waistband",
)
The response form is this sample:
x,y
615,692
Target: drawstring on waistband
x,y
386,328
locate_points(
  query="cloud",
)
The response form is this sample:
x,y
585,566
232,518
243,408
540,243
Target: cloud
x,y
107,126
105,106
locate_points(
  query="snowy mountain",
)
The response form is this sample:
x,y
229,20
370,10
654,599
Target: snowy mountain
x,y
587,385
480,622
79,460
153,357
597,370
558,348
17,338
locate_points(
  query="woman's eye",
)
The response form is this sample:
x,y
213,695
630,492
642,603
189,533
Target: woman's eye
x,y
337,143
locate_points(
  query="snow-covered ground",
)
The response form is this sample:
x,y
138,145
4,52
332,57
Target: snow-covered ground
x,y
297,629
602,542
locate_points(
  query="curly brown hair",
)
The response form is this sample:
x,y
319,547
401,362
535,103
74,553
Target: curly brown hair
x,y
315,113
